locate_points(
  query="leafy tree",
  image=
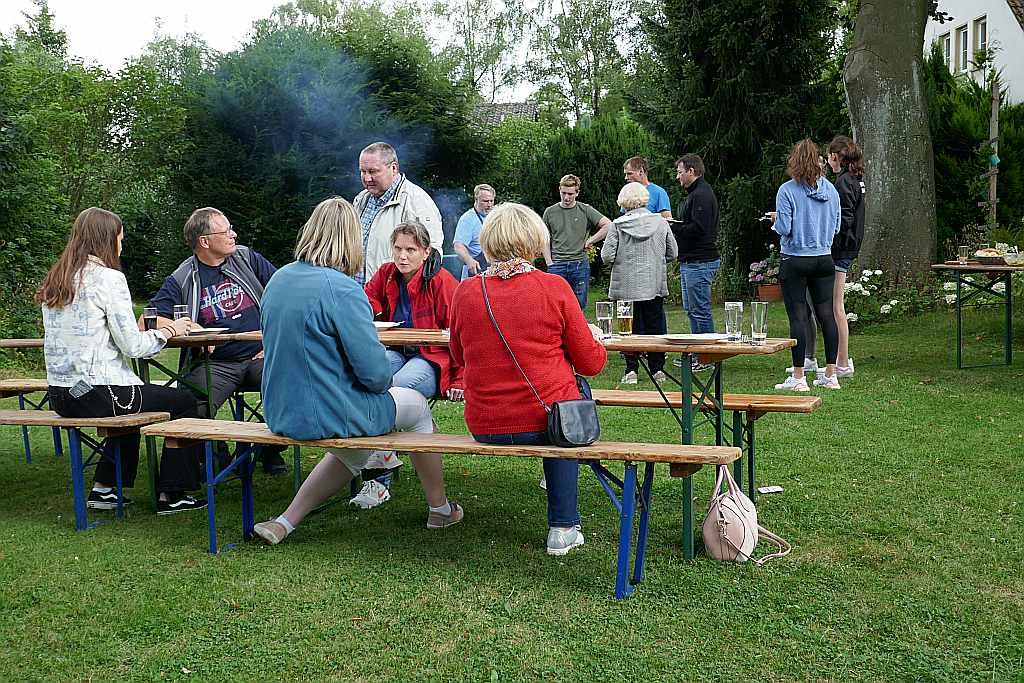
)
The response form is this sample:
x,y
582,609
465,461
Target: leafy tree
x,y
724,79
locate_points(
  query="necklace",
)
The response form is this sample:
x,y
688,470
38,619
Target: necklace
x,y
115,404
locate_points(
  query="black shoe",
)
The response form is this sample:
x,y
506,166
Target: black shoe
x,y
176,505
273,463
105,501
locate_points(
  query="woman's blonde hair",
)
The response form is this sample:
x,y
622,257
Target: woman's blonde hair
x,y
633,196
332,237
512,230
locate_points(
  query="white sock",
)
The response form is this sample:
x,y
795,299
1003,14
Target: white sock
x,y
102,489
283,521
445,509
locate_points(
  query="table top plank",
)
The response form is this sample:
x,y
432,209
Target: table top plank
x,y
414,442
976,267
48,418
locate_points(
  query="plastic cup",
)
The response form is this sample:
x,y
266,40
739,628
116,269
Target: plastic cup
x,y
733,319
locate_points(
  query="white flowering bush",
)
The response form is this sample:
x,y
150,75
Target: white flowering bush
x,y
872,298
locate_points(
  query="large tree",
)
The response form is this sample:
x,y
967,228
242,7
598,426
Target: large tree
x,y
888,109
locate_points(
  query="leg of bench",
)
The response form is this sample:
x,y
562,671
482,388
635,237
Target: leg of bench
x,y
246,467
154,470
24,431
688,552
211,487
117,475
296,468
77,478
622,586
58,447
750,460
641,534
737,440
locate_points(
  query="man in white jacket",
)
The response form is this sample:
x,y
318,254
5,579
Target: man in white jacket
x,y
389,198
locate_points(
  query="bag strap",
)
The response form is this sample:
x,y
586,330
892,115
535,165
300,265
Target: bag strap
x,y
784,547
487,302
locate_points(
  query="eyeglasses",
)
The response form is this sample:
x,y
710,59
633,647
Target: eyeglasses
x,y
231,228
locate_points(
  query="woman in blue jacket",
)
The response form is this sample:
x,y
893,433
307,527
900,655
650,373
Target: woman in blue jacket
x,y
807,218
326,375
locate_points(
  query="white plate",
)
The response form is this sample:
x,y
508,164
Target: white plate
x,y
384,324
208,330
702,338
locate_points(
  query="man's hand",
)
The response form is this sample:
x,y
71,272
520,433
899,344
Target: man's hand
x,y
258,356
474,267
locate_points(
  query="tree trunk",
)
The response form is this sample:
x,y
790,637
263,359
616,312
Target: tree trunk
x,y
889,114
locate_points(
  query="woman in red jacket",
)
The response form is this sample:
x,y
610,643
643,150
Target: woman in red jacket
x,y
541,320
403,291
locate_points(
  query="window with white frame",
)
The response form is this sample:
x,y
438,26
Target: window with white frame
x,y
945,42
962,50
980,34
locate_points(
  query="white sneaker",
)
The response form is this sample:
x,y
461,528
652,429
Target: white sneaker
x,y
543,483
847,371
678,362
382,460
371,495
628,378
827,382
793,384
810,365
660,377
561,541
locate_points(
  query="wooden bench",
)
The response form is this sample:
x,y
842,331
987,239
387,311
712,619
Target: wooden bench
x,y
22,388
106,427
683,461
746,409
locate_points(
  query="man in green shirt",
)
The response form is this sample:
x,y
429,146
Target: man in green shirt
x,y
570,223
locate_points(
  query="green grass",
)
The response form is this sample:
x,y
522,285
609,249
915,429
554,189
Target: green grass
x,y
903,500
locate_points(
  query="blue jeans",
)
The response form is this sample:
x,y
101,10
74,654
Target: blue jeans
x,y
561,475
415,373
695,280
577,274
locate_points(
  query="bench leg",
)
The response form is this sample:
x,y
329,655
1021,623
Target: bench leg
x,y
154,470
622,585
641,534
688,552
737,440
297,468
58,447
77,478
211,488
24,431
247,466
752,491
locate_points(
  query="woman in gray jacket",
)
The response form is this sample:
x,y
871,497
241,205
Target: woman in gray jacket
x,y
637,246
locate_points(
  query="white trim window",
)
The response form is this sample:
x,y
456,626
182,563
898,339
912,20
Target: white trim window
x,y
980,34
947,48
962,49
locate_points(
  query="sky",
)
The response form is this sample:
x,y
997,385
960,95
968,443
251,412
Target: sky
x,y
110,31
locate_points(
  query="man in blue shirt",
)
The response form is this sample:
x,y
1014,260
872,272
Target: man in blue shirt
x,y
635,170
221,284
467,232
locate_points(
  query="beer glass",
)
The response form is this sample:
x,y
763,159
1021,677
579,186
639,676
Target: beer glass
x,y
758,322
180,311
624,316
604,317
733,320
963,252
149,315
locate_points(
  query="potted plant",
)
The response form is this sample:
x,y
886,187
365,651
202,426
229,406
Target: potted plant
x,y
765,276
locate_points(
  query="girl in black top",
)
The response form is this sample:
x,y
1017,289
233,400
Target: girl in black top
x,y
847,160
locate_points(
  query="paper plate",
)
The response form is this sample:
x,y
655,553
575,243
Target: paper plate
x,y
701,338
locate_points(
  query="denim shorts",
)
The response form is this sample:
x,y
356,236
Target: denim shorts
x,y
842,264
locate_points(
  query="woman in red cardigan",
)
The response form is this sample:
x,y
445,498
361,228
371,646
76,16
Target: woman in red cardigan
x,y
402,292
542,322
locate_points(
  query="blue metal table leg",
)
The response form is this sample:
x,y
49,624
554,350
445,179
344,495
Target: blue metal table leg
x,y
117,474
641,534
24,431
622,585
77,478
211,487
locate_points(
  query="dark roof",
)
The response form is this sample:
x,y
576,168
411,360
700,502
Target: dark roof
x,y
491,114
1017,6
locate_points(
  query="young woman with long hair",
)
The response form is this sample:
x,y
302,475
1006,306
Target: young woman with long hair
x,y
90,335
806,217
847,160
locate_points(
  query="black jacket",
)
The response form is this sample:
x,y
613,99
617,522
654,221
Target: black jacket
x,y
847,241
697,231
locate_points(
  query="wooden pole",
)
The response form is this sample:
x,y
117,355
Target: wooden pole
x,y
993,135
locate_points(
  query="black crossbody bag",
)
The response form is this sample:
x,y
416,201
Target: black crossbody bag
x,y
570,423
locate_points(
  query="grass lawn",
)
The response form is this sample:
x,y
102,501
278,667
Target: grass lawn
x,y
903,500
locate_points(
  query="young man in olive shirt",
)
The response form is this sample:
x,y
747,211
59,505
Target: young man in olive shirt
x,y
570,223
